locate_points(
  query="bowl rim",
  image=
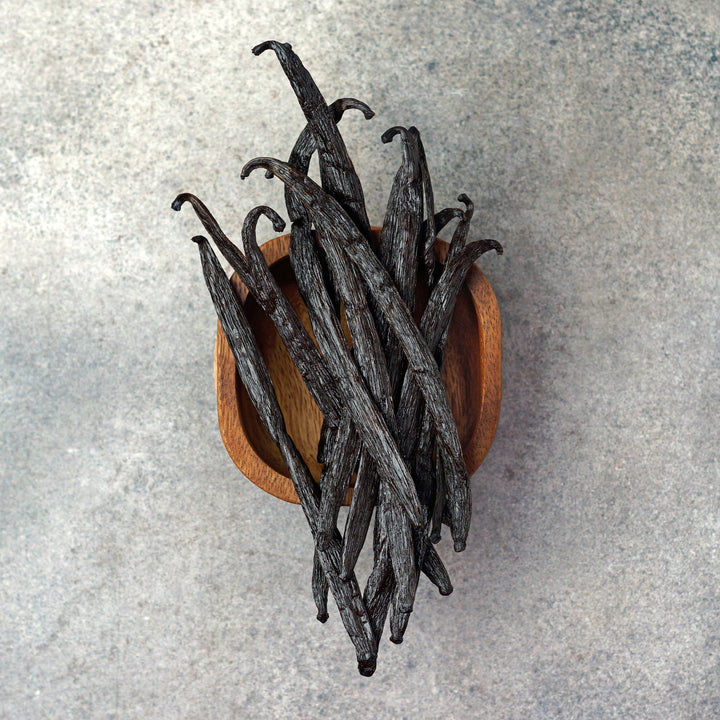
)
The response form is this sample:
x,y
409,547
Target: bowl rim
x,y
241,450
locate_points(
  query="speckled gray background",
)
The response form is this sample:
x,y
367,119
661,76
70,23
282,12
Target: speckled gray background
x,y
142,577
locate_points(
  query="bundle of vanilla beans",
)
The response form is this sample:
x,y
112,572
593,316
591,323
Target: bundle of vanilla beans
x,y
386,416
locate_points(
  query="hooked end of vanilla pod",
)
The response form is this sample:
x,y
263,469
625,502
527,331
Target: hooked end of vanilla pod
x,y
495,245
469,205
270,45
323,617
368,114
390,133
199,240
446,590
251,220
179,201
254,164
459,545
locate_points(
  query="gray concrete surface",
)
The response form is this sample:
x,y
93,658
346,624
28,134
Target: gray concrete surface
x,y
141,576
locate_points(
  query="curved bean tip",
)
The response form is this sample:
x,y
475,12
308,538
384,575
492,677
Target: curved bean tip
x,y
251,165
178,202
343,104
199,239
397,639
459,545
495,245
268,175
263,46
270,44
469,206
322,617
445,591
389,134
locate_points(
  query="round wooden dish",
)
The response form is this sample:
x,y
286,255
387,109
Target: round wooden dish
x,y
471,373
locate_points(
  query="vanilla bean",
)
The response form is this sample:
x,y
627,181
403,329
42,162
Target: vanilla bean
x,y
398,250
305,148
339,176
401,551
340,181
398,618
256,379
403,216
430,229
434,569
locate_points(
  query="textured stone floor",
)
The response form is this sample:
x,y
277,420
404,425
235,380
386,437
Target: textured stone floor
x,y
141,576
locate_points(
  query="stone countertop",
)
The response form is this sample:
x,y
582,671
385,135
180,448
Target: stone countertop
x,y
141,576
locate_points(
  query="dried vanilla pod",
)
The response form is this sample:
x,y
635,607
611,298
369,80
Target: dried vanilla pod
x,y
381,581
260,389
305,148
430,229
386,414
398,247
339,176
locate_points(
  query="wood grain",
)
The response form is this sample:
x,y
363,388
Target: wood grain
x,y
471,374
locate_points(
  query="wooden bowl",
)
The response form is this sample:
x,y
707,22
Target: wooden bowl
x,y
471,374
